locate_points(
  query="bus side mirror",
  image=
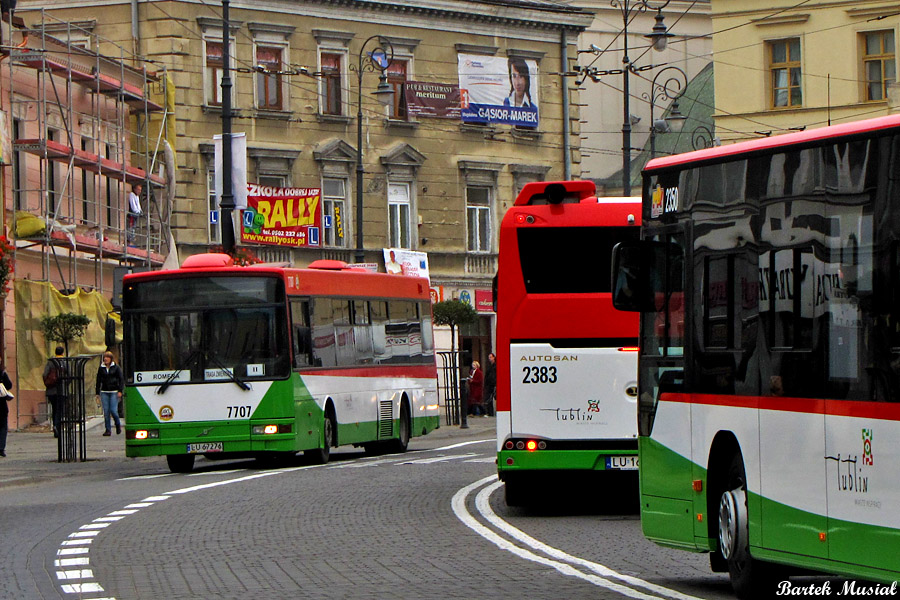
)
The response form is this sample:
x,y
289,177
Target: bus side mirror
x,y
632,264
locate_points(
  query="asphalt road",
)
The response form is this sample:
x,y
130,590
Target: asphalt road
x,y
430,523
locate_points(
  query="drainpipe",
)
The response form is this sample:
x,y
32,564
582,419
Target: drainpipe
x,y
135,32
567,156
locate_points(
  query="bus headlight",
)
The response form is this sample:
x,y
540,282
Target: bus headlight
x,y
141,434
270,429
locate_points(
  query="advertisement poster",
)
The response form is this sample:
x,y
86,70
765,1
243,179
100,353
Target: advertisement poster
x,y
398,261
484,301
436,100
281,216
496,89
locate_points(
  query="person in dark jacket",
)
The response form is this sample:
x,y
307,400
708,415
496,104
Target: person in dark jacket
x,y
110,385
4,408
56,396
490,384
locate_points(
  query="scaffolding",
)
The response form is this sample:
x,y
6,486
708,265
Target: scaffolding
x,y
85,129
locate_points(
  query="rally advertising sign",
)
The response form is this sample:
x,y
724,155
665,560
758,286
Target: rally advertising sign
x,y
437,100
494,89
282,216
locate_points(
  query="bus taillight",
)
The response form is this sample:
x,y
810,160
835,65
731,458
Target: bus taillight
x,y
520,218
531,445
509,444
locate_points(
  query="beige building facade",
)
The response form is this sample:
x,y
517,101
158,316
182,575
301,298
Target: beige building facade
x,y
601,46
781,66
431,184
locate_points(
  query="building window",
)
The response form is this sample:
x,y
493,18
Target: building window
x,y
478,218
268,84
19,174
398,214
784,65
52,183
331,83
215,227
214,65
396,76
334,203
879,64
112,192
88,212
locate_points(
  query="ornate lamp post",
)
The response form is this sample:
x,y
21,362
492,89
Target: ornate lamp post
x,y
659,38
702,138
226,204
668,84
378,59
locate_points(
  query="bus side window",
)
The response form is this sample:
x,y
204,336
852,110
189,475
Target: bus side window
x,y
302,339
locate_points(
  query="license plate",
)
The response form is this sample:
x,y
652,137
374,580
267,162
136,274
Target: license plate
x,y
204,447
622,463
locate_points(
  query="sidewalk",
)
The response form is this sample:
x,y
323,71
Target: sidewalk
x,y
31,454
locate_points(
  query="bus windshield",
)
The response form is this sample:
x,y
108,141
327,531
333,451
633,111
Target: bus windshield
x,y
206,329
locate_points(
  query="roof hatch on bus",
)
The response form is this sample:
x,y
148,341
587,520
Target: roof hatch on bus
x,y
555,192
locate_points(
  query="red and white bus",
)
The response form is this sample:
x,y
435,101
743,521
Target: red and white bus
x,y
566,360
768,284
230,361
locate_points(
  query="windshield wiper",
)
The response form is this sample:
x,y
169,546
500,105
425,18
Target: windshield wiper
x,y
191,358
237,380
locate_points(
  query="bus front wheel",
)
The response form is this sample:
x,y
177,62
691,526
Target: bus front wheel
x,y
321,455
180,463
750,578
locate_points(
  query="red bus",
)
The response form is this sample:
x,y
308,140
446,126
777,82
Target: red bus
x,y
566,359
229,361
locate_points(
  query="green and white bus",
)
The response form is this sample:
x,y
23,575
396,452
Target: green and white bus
x,y
767,279
227,361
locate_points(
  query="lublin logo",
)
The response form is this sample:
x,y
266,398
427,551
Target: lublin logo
x,y
868,458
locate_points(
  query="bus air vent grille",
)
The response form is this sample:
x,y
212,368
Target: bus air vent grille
x,y
385,419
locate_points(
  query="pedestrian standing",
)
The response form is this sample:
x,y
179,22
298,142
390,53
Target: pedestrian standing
x,y
476,389
56,396
110,385
490,384
135,212
4,407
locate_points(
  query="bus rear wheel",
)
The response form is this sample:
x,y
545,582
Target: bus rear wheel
x,y
400,444
750,578
180,463
514,492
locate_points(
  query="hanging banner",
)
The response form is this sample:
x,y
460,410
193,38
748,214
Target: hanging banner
x,y
436,100
238,168
494,89
282,216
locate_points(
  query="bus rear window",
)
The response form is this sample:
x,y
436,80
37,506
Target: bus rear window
x,y
569,260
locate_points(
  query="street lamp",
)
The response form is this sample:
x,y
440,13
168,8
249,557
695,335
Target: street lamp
x,y
378,59
659,38
226,203
668,84
702,138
